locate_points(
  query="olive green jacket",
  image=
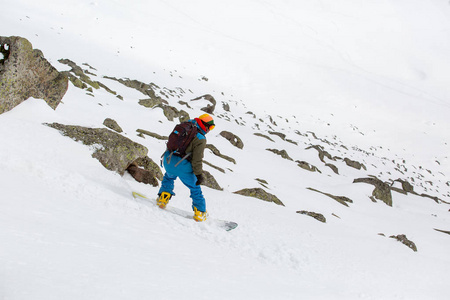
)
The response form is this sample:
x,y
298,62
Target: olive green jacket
x,y
197,148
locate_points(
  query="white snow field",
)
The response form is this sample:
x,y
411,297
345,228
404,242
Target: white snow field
x,y
365,80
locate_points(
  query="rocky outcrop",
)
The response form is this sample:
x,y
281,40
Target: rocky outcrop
x,y
382,189
25,73
282,153
216,152
260,194
306,166
145,170
322,153
77,76
264,136
114,151
112,124
142,175
341,199
404,240
317,216
210,181
354,164
143,132
209,108
233,139
152,102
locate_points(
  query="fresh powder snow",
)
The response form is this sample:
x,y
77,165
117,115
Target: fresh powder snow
x,y
365,80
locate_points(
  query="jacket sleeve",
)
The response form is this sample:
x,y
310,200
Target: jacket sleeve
x,y
198,149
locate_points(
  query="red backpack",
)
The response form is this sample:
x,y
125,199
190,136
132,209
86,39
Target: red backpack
x,y
180,138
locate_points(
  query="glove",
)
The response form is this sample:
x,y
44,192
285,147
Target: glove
x,y
200,179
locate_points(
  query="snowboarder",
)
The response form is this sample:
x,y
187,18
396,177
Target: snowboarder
x,y
188,166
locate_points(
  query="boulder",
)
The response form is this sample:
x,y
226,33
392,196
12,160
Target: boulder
x,y
382,189
25,73
261,194
210,181
233,139
142,175
114,151
112,124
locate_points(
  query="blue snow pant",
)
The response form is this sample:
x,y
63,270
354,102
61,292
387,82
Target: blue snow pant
x,y
183,171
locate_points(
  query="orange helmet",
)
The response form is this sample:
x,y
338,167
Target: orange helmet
x,y
208,121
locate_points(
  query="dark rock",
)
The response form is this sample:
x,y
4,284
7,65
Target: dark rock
x,y
402,238
25,73
259,194
354,164
114,151
151,102
281,135
322,153
209,108
210,181
216,152
306,166
317,216
112,124
148,164
225,106
79,78
264,136
443,231
282,153
333,167
142,175
382,189
153,135
341,199
233,139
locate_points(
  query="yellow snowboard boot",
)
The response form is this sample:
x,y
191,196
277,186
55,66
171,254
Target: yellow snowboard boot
x,y
163,199
200,216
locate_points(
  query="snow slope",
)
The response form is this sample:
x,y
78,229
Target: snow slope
x,y
369,76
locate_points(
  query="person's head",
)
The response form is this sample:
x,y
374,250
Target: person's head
x,y
207,121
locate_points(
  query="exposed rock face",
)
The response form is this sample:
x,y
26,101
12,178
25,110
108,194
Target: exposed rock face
x,y
341,199
145,170
260,194
210,181
209,108
25,73
282,153
354,164
115,152
234,139
112,124
403,239
151,134
77,76
264,136
382,190
142,175
306,166
216,151
317,216
322,153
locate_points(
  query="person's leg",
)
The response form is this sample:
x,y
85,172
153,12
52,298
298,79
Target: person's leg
x,y
167,184
198,201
